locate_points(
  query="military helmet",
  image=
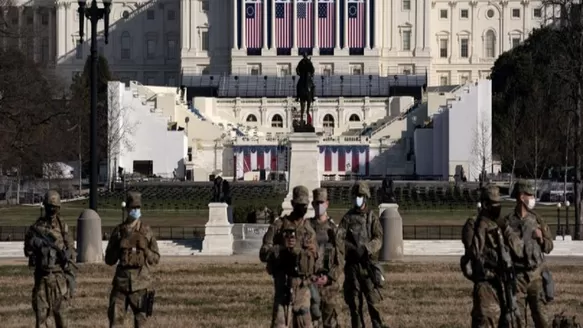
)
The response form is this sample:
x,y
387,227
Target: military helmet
x,y
361,189
522,186
301,195
490,194
134,199
320,194
52,198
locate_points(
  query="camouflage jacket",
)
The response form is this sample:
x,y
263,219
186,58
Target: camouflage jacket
x,y
330,249
361,227
130,278
274,253
44,259
484,246
532,258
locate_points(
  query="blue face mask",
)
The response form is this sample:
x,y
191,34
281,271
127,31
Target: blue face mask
x,y
135,213
359,201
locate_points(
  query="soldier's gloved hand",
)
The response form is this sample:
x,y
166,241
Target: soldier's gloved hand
x,y
38,243
361,251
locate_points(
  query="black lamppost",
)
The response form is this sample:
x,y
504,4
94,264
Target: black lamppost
x,y
559,232
93,14
567,232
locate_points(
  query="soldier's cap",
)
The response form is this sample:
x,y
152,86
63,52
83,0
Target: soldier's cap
x,y
522,186
490,193
361,189
52,198
320,194
301,195
134,199
217,173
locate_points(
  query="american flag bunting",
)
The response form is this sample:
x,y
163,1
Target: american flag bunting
x,y
326,23
253,24
283,21
305,24
356,21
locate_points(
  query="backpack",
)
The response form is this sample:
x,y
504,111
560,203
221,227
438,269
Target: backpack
x,y
468,231
562,321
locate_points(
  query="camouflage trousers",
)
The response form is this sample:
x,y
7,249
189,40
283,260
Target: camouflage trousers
x,y
530,293
328,306
486,311
359,288
49,297
294,315
118,303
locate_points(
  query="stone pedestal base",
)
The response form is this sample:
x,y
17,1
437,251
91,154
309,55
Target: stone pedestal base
x,y
218,238
392,223
89,238
303,167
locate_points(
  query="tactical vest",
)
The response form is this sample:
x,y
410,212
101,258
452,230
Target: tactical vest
x,y
302,265
48,260
471,268
326,248
131,256
532,250
358,231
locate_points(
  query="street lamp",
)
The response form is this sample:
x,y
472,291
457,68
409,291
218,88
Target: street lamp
x,y
123,206
567,204
559,232
479,207
94,14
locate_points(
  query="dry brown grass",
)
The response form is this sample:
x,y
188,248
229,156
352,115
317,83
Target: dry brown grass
x,y
239,295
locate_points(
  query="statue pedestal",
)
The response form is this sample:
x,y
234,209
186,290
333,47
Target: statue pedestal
x,y
218,236
89,238
392,249
303,167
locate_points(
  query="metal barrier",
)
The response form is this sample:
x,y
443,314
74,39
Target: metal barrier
x,y
255,232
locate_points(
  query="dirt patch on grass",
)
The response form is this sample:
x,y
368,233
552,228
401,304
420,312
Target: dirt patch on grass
x,y
196,293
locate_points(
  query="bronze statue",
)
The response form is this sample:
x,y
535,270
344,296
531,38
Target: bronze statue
x,y
387,191
221,189
305,89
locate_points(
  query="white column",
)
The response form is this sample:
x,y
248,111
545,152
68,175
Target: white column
x,y
243,15
316,30
273,45
337,22
345,24
367,23
194,40
295,26
20,10
185,23
5,12
418,27
37,34
235,41
264,23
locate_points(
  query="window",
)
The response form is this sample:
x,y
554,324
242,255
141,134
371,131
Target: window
x,y
464,79
151,47
464,49
205,5
406,40
277,121
464,13
328,121
171,48
79,50
515,13
283,70
150,15
354,118
406,4
150,78
44,54
327,70
490,44
254,70
251,118
29,20
170,79
125,14
204,39
45,19
171,15
356,69
515,42
490,13
537,13
443,80
204,69
443,48
443,14
407,71
125,45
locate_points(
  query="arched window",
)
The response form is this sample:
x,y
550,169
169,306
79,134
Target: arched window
x,y
277,121
251,118
126,44
328,121
354,118
490,45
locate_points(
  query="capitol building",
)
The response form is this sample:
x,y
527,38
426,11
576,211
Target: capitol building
x,y
166,42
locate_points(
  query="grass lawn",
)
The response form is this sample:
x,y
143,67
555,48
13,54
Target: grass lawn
x,y
191,294
25,215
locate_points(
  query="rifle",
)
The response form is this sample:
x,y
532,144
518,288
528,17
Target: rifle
x,y
507,277
148,302
62,255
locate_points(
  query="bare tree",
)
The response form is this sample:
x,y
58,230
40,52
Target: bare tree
x,y
482,148
121,126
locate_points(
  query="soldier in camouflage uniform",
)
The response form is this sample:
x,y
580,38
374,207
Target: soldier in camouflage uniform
x,y
134,249
50,249
330,263
361,231
290,250
537,240
487,237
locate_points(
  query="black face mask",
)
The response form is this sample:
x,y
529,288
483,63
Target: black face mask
x,y
494,211
300,210
52,211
